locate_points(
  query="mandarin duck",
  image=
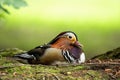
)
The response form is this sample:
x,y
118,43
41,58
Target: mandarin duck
x,y
64,48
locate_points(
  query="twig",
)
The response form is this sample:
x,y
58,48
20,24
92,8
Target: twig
x,y
56,77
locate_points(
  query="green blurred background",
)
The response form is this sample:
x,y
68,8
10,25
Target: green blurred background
x,y
96,22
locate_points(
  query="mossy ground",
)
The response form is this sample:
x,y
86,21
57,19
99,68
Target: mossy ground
x,y
10,69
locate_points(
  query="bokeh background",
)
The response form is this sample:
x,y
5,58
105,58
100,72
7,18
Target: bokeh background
x,y
96,22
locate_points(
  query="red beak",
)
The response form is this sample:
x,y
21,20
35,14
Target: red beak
x,y
78,44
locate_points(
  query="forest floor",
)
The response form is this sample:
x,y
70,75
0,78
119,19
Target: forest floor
x,y
93,69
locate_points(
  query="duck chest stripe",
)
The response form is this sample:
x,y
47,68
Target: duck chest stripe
x,y
64,55
71,58
67,56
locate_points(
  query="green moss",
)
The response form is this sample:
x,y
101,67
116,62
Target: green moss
x,y
10,52
13,70
112,54
80,67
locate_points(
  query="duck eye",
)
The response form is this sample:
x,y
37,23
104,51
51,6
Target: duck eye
x,y
70,37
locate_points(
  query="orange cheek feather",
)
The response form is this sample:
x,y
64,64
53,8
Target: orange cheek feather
x,y
62,43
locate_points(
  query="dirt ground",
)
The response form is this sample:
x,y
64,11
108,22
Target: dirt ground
x,y
92,69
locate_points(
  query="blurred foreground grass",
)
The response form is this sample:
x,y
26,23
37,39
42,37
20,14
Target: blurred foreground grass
x,y
93,69
13,70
